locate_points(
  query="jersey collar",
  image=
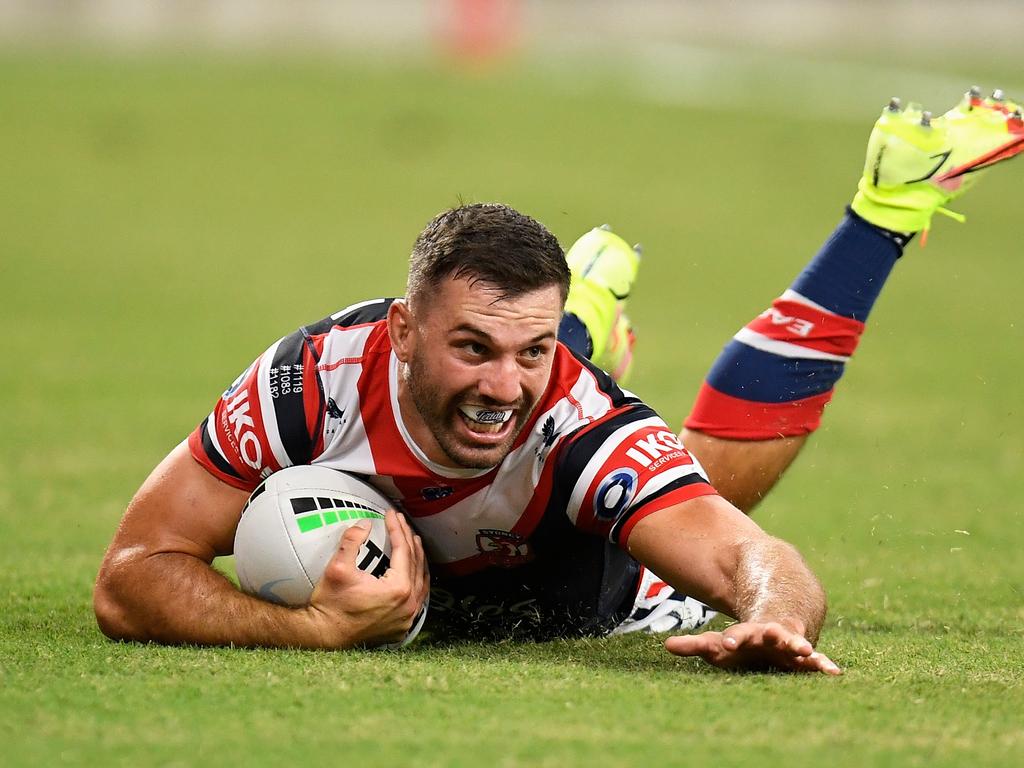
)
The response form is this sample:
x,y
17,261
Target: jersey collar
x,y
421,456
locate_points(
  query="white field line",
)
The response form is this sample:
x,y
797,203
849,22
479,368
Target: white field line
x,y
778,82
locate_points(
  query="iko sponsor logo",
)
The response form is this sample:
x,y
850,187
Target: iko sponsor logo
x,y
656,449
614,493
242,425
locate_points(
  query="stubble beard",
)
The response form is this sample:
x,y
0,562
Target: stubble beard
x,y
437,413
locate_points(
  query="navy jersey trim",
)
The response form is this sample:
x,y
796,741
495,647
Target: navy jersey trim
x,y
213,454
682,482
579,449
605,382
286,371
359,314
366,312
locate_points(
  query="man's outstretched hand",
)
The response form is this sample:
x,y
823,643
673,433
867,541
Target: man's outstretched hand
x,y
754,646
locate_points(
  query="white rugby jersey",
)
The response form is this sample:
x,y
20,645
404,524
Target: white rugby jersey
x,y
328,395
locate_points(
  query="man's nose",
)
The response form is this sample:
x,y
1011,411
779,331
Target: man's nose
x,y
500,381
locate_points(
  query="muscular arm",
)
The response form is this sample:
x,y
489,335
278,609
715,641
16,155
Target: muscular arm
x,y
709,549
156,582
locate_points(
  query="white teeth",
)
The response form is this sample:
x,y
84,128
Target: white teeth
x,y
485,415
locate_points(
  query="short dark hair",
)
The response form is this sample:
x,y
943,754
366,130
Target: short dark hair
x,y
491,243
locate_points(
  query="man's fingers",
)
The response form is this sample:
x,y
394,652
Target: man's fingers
x,y
786,640
408,562
816,662
418,575
771,635
703,645
401,547
415,546
739,635
352,539
344,560
422,575
749,645
417,559
424,571
800,646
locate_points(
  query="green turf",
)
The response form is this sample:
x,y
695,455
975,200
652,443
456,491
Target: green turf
x,y
162,220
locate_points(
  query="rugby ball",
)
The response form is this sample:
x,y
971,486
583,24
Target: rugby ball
x,y
291,526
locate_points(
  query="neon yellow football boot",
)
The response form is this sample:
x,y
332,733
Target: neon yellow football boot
x,y
916,163
604,268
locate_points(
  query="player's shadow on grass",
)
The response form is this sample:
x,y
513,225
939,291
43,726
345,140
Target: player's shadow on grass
x,y
630,653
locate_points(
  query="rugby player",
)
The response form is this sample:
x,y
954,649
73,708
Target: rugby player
x,y
547,500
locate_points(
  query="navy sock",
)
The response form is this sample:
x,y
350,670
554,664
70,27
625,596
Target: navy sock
x,y
777,374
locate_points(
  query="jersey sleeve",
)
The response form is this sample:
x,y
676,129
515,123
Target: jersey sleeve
x,y
268,419
624,467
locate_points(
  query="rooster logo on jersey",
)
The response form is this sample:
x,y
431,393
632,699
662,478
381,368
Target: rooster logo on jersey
x,y
503,548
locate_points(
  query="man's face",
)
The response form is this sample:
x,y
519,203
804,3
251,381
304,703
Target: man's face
x,y
475,367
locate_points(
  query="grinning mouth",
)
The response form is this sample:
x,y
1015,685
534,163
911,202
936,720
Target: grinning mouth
x,y
487,420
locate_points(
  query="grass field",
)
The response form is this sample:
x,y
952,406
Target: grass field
x,y
163,219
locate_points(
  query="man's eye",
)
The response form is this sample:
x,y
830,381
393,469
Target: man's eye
x,y
535,352
474,348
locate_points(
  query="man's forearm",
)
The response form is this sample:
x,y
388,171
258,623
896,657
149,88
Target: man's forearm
x,y
772,583
172,597
710,550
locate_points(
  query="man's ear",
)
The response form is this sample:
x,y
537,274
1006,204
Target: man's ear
x,y
400,330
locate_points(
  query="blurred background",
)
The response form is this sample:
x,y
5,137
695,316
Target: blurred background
x,y
485,27
183,182
677,51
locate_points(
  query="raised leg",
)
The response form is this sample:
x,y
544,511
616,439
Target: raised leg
x,y
767,391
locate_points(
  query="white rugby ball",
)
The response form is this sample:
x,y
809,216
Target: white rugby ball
x,y
291,527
